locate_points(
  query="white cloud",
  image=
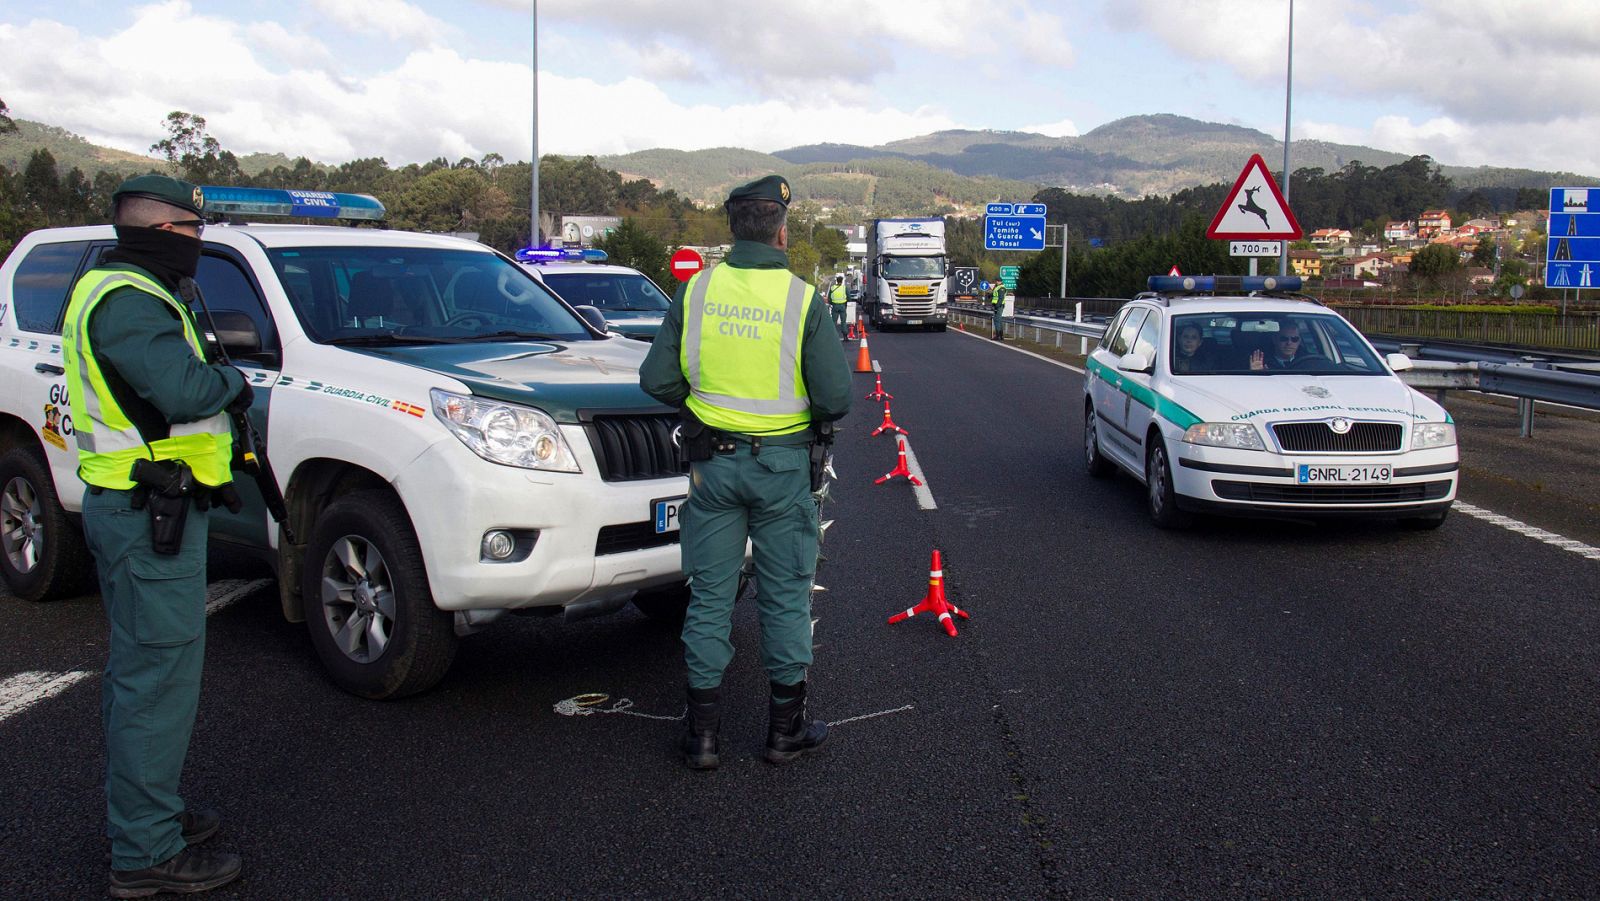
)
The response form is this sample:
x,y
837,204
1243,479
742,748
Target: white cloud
x,y
1063,129
395,20
1490,144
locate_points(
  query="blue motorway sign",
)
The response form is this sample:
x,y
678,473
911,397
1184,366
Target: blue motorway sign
x,y
1013,233
1030,209
1572,252
999,209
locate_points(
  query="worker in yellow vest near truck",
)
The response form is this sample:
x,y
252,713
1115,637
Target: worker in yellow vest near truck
x,y
154,448
837,299
746,354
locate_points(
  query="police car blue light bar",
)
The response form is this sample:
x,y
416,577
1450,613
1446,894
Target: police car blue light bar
x,y
1222,284
307,204
561,254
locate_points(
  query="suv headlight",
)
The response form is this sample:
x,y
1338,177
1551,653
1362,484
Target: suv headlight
x,y
1241,435
504,433
1432,434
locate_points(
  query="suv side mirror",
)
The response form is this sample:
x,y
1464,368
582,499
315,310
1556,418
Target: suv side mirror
x,y
236,332
592,315
1135,362
1398,362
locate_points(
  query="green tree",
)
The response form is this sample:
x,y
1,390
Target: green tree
x,y
6,125
197,156
830,246
630,244
804,260
1435,263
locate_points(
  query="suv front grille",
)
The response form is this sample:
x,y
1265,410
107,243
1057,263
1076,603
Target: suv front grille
x,y
1319,437
631,447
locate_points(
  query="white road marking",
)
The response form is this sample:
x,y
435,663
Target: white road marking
x,y
1015,349
923,492
23,690
1522,528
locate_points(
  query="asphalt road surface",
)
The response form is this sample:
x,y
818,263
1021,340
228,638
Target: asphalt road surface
x,y
1247,709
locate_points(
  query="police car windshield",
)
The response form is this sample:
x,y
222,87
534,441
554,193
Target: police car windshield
x,y
913,267
1267,344
609,291
416,295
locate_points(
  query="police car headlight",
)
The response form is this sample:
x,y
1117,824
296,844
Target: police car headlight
x,y
1240,435
504,433
1432,434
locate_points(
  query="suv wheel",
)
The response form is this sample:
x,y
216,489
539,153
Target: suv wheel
x,y
1093,460
1159,495
368,608
42,554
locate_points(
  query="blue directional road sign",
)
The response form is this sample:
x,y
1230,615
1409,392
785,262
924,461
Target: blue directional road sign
x,y
1013,232
1572,253
1000,209
1030,209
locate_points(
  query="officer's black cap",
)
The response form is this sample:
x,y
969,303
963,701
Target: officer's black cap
x,y
773,187
165,188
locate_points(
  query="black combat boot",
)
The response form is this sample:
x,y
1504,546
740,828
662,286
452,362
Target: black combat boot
x,y
702,722
790,732
191,870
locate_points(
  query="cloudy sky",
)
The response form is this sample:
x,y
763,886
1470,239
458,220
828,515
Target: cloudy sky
x,y
1498,82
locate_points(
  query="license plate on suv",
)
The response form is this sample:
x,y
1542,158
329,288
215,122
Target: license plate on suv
x,y
665,514
1378,474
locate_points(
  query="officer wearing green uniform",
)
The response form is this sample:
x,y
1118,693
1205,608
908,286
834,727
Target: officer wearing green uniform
x,y
998,298
745,349
836,302
153,440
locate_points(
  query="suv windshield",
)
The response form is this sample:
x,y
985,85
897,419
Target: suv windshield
x,y
913,267
610,291
414,295
1267,344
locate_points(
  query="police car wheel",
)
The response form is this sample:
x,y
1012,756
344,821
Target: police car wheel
x,y
368,607
42,554
1094,461
1160,497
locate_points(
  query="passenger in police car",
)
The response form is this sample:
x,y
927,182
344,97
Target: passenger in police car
x,y
1190,353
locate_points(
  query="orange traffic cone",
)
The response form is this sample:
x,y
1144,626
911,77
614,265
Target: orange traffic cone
x,y
863,359
878,393
934,602
899,469
888,424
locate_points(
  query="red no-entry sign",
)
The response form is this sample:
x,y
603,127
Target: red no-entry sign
x,y
685,263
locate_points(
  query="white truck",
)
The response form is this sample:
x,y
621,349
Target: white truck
x,y
453,440
906,283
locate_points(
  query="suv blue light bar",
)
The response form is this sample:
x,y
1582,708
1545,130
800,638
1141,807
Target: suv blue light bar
x,y
276,202
1222,284
561,254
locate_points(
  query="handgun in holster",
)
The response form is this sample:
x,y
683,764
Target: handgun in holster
x,y
821,453
696,440
167,488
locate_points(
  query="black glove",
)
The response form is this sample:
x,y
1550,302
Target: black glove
x,y
241,401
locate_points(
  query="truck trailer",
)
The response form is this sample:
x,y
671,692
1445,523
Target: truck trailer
x,y
905,282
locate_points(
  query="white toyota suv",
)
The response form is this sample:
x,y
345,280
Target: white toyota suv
x,y
1239,395
453,440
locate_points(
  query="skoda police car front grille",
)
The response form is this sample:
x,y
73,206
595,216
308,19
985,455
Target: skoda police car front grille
x,y
1330,494
635,447
1321,438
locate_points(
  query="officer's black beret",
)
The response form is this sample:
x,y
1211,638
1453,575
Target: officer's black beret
x,y
773,187
164,188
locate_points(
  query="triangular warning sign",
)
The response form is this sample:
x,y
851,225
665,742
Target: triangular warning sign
x,y
1174,271
1255,209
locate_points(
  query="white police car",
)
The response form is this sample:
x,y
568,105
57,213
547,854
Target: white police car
x,y
632,304
1238,395
453,441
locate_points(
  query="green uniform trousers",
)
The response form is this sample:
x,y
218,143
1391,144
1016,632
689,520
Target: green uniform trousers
x,y
767,498
838,311
999,317
156,607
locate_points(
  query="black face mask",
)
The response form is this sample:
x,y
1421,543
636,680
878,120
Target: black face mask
x,y
168,255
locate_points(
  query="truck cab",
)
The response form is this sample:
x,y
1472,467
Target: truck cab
x,y
905,283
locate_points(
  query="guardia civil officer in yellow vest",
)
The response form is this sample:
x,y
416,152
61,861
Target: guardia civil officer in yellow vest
x,y
154,447
998,298
837,298
747,352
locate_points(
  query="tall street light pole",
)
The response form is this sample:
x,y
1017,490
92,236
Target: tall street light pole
x,y
1288,98
533,234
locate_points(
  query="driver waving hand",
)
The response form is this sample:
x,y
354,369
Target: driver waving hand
x,y
1285,350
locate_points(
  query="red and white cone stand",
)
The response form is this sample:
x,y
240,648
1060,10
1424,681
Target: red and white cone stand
x,y
899,469
888,424
934,602
878,393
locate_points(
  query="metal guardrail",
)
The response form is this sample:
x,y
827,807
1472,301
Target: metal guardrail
x,y
1524,377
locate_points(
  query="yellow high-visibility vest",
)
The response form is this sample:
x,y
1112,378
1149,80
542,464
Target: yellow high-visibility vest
x,y
108,442
742,331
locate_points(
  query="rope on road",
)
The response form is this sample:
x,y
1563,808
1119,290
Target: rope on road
x,y
589,704
868,716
